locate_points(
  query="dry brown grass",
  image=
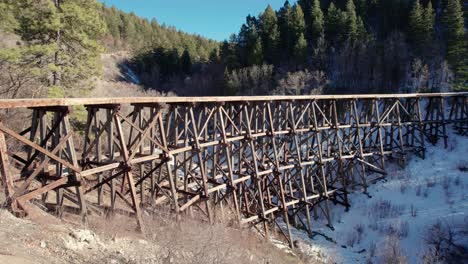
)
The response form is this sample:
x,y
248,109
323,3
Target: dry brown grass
x,y
194,241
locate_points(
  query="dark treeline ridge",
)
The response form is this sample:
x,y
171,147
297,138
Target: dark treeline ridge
x,y
331,46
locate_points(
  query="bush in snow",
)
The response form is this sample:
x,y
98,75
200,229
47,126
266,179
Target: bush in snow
x,y
430,256
372,249
426,193
414,211
447,243
355,237
383,209
446,183
463,166
392,253
398,229
430,182
418,190
457,181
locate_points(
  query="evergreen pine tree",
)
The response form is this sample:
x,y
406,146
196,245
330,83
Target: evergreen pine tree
x,y
352,21
8,20
316,29
268,30
186,62
112,19
285,27
362,7
335,25
228,53
457,49
249,43
298,22
300,50
69,33
361,30
300,43
214,57
429,23
256,55
254,47
428,26
392,15
416,33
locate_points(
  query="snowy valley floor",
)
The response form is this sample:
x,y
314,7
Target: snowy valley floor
x,y
395,221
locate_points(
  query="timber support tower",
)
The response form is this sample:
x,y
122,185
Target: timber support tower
x,y
266,162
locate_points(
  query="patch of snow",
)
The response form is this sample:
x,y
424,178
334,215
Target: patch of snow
x,y
80,239
404,205
131,75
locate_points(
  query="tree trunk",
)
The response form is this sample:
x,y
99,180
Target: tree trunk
x,y
55,74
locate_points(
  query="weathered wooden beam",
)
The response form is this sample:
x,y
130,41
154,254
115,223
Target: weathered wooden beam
x,y
25,103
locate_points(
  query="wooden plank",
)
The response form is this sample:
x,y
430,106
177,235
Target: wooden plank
x,y
43,102
43,190
40,168
99,169
5,167
38,148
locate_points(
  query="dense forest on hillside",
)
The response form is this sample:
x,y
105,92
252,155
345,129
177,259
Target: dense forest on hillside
x,y
50,47
164,56
340,46
127,31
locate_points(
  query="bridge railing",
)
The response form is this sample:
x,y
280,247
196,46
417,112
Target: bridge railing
x,y
251,159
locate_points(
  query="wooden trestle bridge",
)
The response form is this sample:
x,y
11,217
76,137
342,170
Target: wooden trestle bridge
x,y
264,161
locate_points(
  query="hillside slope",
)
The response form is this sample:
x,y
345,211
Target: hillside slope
x,y
45,239
409,213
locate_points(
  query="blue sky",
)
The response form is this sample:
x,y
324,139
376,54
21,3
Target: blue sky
x,y
216,19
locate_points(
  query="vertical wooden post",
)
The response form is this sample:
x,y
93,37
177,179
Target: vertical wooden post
x,y
7,180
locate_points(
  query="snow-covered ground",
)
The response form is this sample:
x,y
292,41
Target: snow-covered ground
x,y
401,209
130,75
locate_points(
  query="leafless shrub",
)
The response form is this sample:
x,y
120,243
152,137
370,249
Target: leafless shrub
x,y
447,243
351,239
418,76
418,190
355,236
391,253
446,183
359,228
426,193
251,80
194,241
403,185
382,209
400,175
414,211
463,167
372,249
430,182
301,82
457,181
398,229
430,256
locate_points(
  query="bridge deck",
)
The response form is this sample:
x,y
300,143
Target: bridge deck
x,y
22,103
